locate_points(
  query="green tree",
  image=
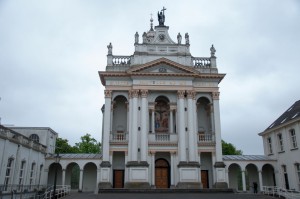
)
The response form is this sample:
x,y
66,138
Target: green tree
x,y
229,149
63,146
88,145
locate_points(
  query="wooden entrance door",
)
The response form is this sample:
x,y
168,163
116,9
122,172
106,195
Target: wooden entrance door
x,y
204,179
118,179
162,174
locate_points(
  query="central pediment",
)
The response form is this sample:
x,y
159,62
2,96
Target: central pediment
x,y
162,66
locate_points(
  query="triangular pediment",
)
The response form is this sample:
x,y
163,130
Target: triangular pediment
x,y
162,66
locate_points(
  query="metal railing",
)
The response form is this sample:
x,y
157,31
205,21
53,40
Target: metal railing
x,y
6,188
280,192
61,191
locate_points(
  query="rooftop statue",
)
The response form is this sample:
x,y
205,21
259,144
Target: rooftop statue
x,y
161,17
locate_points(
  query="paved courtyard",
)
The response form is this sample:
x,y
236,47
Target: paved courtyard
x,y
166,196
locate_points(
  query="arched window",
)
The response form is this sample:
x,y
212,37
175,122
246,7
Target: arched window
x,y
34,137
162,112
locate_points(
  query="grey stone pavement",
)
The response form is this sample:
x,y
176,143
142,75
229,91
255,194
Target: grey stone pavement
x,y
75,195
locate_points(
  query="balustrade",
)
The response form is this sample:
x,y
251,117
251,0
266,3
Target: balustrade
x,y
121,60
201,62
119,137
20,139
206,138
162,137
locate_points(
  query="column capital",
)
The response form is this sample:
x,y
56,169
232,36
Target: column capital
x,y
144,93
107,93
134,93
152,152
191,94
180,94
215,95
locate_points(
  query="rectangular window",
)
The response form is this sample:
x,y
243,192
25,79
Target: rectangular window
x,y
31,179
280,142
270,145
293,139
285,176
9,169
21,174
298,172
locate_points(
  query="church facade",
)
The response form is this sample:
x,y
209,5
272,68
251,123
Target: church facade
x,y
161,119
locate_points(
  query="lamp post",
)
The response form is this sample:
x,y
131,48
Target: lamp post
x,y
57,158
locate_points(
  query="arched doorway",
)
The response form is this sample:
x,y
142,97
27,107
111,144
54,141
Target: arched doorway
x,y
72,175
268,175
162,174
251,177
235,177
51,174
89,177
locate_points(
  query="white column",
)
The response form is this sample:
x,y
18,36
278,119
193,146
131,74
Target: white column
x,y
227,176
171,121
126,169
80,180
106,133
153,168
244,180
134,130
130,126
181,127
260,180
144,125
153,120
191,131
63,176
217,123
172,169
97,181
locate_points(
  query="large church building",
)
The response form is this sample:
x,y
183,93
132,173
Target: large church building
x,y
161,118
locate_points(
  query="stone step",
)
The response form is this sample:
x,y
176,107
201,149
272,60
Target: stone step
x,y
166,190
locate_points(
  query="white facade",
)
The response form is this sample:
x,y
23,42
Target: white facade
x,y
22,161
161,116
281,142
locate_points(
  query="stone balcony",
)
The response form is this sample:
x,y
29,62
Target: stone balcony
x,y
162,138
118,138
206,139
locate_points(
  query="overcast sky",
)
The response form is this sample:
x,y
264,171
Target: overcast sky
x,y
51,52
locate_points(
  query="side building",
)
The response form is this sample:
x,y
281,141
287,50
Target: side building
x,y
281,142
22,155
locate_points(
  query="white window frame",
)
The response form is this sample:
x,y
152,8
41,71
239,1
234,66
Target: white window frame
x,y
269,142
293,139
8,173
21,174
31,178
297,167
280,142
